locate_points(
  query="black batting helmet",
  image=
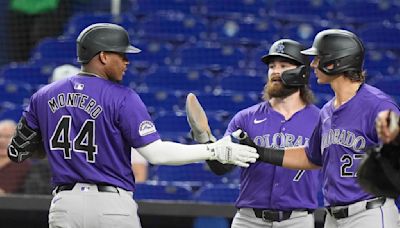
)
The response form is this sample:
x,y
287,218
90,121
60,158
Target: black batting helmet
x,y
339,47
103,37
290,49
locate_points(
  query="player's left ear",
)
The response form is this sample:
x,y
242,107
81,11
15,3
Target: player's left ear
x,y
103,57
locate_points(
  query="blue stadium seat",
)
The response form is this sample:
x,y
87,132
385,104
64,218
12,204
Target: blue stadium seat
x,y
167,78
378,36
153,52
362,11
172,122
245,33
80,21
13,111
162,101
380,61
301,10
235,8
149,191
389,85
190,173
203,56
302,32
235,84
14,92
56,50
143,8
230,103
174,29
32,76
217,194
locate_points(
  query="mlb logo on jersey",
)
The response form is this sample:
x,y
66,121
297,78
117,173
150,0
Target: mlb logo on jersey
x,y
79,86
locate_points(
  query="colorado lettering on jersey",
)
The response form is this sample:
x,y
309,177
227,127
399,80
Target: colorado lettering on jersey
x,y
76,100
280,140
344,138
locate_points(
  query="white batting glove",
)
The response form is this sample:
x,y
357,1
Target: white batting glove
x,y
228,152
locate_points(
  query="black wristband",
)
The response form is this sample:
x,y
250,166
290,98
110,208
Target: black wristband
x,y
271,155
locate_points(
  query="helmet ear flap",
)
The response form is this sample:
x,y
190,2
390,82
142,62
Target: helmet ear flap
x,y
296,77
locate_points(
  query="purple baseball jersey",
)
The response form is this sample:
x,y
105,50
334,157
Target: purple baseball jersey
x,y
267,186
339,140
88,125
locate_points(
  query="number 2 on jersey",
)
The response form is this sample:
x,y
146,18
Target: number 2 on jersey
x,y
348,161
83,142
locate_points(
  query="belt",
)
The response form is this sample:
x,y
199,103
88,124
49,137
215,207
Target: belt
x,y
100,188
344,211
274,215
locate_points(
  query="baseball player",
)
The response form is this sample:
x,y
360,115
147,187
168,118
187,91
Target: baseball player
x,y
273,196
346,127
87,123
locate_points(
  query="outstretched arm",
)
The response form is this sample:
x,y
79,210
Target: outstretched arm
x,y
223,150
292,158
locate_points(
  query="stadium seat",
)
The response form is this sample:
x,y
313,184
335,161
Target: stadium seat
x,y
234,9
233,84
177,29
172,122
191,173
217,194
172,127
33,76
380,36
149,191
302,32
380,61
246,33
361,11
14,92
389,85
185,81
56,50
153,52
301,10
204,56
230,103
80,21
162,101
10,111
143,8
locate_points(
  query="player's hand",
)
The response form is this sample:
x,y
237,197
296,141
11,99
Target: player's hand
x,y
227,151
198,121
387,126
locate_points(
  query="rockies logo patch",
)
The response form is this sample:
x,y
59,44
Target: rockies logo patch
x,y
146,127
280,48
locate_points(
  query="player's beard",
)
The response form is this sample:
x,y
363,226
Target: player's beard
x,y
277,90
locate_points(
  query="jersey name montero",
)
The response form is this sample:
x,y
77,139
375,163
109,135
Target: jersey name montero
x,y
77,100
